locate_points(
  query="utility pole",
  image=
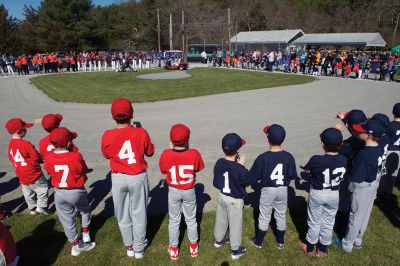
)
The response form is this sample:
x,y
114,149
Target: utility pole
x,y
183,34
158,30
170,32
229,29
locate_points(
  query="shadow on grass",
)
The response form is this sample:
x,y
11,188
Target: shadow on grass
x,y
157,209
390,208
100,190
297,206
42,246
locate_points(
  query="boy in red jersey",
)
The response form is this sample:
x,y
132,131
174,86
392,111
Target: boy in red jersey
x,y
181,164
26,160
68,176
125,146
49,123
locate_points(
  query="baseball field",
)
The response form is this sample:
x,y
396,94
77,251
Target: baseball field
x,y
103,87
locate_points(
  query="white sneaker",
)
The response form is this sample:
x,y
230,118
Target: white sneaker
x,y
33,211
42,211
82,247
139,255
130,252
86,237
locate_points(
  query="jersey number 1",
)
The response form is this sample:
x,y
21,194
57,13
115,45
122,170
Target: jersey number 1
x,y
18,158
127,153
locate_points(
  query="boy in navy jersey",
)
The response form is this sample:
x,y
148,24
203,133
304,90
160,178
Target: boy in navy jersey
x,y
274,169
393,154
327,171
231,178
366,170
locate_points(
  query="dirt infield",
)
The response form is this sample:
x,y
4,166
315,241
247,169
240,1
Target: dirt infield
x,y
173,74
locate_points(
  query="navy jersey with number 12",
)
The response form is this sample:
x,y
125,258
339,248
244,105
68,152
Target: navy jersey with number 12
x,y
274,169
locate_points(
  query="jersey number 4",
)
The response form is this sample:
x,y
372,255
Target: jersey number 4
x,y
65,171
335,182
277,174
127,153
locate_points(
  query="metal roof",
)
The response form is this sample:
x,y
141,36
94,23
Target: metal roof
x,y
273,36
365,39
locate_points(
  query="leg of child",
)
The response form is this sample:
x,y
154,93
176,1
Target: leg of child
x,y
29,195
280,206
189,210
174,211
83,207
66,212
330,209
235,214
221,219
41,188
370,202
314,218
267,199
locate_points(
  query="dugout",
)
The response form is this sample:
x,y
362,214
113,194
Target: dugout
x,y
340,41
265,40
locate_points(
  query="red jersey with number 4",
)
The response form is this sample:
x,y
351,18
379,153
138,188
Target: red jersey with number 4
x,y
126,148
181,167
45,147
26,160
67,169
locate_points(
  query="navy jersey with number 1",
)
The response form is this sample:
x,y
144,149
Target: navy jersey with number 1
x,y
326,171
274,169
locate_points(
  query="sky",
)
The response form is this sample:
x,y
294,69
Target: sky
x,y
15,7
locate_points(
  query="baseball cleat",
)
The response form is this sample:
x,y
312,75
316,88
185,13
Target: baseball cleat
x,y
42,211
194,249
173,252
130,252
357,246
82,247
219,244
139,255
86,237
280,245
33,211
336,241
303,247
236,254
253,242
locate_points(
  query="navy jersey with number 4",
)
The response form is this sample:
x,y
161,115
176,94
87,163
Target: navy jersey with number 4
x,y
231,178
274,169
326,171
393,131
367,164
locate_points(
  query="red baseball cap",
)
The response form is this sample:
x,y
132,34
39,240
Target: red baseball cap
x,y
51,121
121,109
179,134
16,124
61,136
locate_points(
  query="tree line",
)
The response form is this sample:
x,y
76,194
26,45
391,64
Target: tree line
x,y
63,25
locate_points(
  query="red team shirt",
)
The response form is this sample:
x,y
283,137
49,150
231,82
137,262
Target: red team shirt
x,y
7,244
66,169
26,160
181,167
45,147
126,147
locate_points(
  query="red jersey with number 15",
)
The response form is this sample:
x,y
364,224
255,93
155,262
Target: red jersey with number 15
x,y
67,169
26,160
45,147
126,148
181,167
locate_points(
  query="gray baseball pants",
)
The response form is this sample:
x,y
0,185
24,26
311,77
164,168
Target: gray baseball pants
x,y
36,194
273,198
322,209
68,203
130,197
229,214
179,201
362,201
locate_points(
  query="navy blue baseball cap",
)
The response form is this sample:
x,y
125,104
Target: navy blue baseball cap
x,y
355,117
396,109
372,127
232,142
276,134
331,137
382,118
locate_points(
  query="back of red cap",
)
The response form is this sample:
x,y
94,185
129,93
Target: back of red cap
x,y
121,109
51,121
179,134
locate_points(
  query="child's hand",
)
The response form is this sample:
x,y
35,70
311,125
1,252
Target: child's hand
x,y
339,127
242,159
340,115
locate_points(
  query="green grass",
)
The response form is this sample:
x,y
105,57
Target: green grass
x,y
41,241
105,86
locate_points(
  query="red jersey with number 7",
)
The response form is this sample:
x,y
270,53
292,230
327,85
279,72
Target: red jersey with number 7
x,y
126,148
26,160
67,169
181,167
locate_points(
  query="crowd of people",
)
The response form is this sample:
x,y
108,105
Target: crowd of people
x,y
345,179
378,65
80,61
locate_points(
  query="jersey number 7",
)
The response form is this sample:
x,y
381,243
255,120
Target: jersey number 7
x,y
65,171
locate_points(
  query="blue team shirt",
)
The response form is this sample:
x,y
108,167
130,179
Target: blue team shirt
x,y
384,142
274,169
393,131
327,171
231,178
367,164
350,148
